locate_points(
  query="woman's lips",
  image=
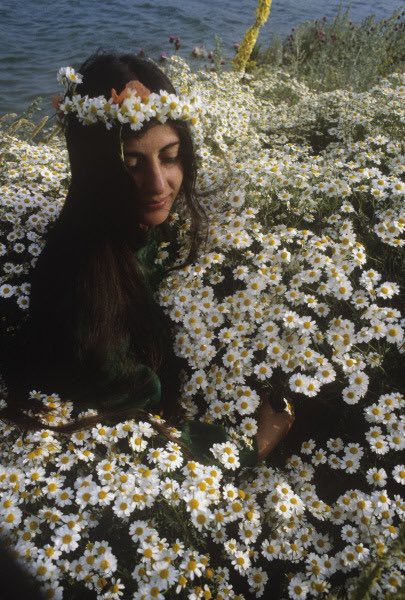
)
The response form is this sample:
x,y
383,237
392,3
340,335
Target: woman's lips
x,y
155,204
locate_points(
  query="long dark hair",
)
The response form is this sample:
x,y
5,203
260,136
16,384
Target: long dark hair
x,y
91,317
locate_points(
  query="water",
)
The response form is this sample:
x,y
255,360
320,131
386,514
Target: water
x,y
39,36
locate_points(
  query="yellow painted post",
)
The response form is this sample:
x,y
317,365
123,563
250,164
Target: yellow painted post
x,y
245,49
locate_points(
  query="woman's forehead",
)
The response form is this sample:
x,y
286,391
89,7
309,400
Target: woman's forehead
x,y
155,138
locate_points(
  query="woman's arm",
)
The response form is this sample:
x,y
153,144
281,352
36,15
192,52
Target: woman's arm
x,y
272,427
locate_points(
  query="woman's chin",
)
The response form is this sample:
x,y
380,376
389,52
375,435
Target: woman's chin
x,y
153,218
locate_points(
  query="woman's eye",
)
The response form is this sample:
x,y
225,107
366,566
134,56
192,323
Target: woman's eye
x,y
137,162
133,165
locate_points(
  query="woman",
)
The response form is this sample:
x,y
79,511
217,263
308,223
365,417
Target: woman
x,y
94,334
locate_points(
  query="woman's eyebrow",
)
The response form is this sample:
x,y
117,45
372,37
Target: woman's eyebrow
x,y
136,153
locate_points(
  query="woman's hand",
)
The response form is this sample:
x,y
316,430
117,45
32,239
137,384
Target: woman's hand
x,y
272,427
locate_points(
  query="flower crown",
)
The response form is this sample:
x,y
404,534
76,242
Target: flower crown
x,y
135,105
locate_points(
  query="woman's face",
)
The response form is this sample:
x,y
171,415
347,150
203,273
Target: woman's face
x,y
154,163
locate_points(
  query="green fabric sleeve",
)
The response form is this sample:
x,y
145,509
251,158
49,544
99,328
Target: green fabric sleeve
x,y
249,457
199,437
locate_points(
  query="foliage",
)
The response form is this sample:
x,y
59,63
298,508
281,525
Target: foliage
x,y
340,54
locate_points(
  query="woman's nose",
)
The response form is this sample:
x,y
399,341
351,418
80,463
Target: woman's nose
x,y
154,179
